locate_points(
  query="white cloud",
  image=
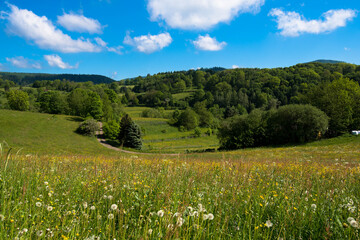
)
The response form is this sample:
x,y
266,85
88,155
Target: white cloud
x,y
292,24
149,43
347,49
22,62
104,45
199,14
235,66
207,43
56,61
79,23
43,33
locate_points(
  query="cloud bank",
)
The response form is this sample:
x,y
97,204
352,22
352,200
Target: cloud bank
x,y
199,14
292,24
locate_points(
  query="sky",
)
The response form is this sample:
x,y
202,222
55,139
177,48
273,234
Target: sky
x,y
124,39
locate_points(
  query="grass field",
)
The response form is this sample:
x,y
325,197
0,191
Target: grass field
x,y
161,137
265,193
45,133
66,186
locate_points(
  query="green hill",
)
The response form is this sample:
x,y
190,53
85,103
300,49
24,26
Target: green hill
x,y
46,134
327,61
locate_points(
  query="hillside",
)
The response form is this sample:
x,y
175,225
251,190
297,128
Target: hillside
x,y
28,78
45,133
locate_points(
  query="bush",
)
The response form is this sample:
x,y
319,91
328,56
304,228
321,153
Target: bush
x,y
111,130
151,113
188,119
197,132
88,127
18,100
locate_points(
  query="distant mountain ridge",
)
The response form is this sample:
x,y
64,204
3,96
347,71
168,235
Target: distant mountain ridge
x,y
326,61
28,78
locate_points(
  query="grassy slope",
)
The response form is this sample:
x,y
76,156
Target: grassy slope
x,y
44,133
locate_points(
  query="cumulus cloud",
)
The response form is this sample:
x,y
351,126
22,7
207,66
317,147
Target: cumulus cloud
x,y
56,61
149,43
292,24
235,66
202,14
207,43
43,33
79,23
104,45
22,62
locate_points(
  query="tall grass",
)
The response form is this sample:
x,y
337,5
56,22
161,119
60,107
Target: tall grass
x,y
134,198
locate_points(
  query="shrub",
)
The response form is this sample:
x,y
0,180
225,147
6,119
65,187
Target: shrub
x,y
88,127
197,132
111,130
18,100
151,113
188,119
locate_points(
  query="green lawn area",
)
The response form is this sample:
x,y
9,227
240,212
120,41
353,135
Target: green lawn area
x,y
45,133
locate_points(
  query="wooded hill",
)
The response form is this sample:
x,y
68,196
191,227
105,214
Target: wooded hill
x,y
29,78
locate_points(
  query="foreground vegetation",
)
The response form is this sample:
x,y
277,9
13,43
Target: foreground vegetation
x,y
308,192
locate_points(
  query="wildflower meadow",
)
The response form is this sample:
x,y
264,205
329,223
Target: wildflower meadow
x,y
134,197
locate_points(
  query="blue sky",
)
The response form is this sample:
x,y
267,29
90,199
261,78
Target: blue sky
x,y
122,39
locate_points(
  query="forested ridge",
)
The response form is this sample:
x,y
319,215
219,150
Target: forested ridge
x,y
29,78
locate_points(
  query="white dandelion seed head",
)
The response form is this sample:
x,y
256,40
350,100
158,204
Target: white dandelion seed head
x,y
114,207
349,219
92,208
354,224
38,204
269,224
150,231
111,216
50,208
85,205
25,230
211,216
160,213
110,197
180,221
313,206
39,233
205,217
46,183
